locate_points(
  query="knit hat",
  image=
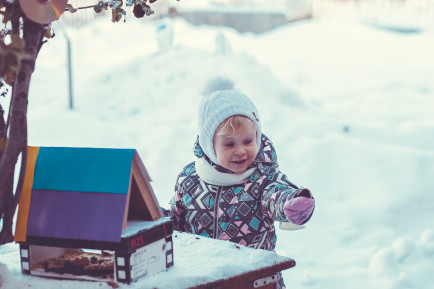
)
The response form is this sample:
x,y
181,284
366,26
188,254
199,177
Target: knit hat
x,y
220,100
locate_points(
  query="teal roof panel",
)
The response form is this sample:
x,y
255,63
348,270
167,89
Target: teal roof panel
x,y
83,169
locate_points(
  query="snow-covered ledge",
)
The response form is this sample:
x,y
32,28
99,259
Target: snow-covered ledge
x,y
201,262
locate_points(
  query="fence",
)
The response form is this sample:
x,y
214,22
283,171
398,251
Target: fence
x,y
379,7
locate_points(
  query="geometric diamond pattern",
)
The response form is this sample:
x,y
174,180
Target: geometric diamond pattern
x,y
228,195
244,213
232,230
243,209
205,220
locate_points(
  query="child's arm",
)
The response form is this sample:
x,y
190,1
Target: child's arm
x,y
178,213
178,210
283,201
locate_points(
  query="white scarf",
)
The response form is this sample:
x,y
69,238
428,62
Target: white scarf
x,y
210,175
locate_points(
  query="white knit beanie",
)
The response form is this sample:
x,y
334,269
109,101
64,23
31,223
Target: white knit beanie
x,y
220,100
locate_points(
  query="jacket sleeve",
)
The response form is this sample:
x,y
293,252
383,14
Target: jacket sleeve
x,y
277,193
178,210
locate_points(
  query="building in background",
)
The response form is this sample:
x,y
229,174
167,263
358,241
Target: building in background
x,y
243,15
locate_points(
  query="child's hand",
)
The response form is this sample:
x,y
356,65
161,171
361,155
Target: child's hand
x,y
299,209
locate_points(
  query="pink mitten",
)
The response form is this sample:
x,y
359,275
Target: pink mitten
x,y
299,209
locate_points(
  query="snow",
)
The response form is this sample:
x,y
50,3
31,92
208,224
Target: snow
x,y
347,99
203,259
197,260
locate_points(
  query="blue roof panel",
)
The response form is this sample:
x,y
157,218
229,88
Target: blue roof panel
x,y
83,169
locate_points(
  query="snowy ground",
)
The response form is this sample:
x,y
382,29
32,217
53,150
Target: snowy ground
x,y
348,102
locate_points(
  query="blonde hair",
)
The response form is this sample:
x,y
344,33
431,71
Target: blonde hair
x,y
232,123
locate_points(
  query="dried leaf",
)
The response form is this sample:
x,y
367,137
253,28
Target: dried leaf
x,y
49,33
116,4
8,61
12,13
17,43
98,8
117,14
71,8
138,11
10,77
114,16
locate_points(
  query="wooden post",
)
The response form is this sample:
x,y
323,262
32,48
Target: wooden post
x,y
68,43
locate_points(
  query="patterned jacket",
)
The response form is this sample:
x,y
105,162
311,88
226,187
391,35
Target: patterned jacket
x,y
242,213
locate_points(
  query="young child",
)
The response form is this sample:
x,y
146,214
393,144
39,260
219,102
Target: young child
x,y
234,190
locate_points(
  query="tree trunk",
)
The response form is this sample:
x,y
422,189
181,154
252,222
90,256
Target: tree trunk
x,y
2,139
16,143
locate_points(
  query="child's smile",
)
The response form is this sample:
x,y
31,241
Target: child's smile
x,y
239,162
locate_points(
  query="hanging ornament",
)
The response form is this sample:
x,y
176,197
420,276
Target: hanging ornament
x,y
43,11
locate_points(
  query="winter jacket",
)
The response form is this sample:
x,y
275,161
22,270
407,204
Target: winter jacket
x,y
243,213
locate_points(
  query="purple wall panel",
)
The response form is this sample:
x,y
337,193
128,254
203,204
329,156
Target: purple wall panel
x,y
76,215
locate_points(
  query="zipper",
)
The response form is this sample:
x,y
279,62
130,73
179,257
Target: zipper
x,y
216,212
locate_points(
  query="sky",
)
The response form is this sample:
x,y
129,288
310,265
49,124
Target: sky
x,y
346,97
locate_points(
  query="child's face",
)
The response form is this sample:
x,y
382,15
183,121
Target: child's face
x,y
236,151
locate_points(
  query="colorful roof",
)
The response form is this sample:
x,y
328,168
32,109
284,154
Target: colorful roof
x,y
83,169
78,193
